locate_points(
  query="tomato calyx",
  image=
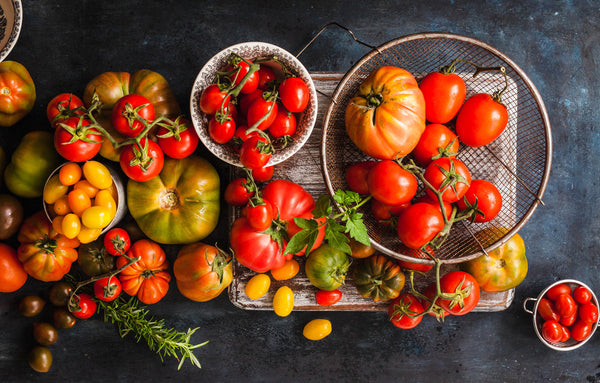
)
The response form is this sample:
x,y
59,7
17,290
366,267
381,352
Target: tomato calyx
x,y
80,131
446,151
458,296
140,156
174,128
374,100
452,177
46,244
219,263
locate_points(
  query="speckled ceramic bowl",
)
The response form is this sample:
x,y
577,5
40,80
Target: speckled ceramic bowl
x,y
11,19
252,50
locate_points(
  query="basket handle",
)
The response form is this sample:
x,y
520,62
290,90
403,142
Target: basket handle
x,y
525,302
337,25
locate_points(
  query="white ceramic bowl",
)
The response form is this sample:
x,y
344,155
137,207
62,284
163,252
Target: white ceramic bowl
x,y
252,50
11,19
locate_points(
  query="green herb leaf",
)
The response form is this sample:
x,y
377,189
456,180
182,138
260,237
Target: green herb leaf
x,y
322,207
334,234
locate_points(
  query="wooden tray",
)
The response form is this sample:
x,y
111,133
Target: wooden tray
x,y
304,168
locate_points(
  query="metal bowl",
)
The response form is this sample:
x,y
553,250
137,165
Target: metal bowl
x,y
518,162
252,50
570,344
11,19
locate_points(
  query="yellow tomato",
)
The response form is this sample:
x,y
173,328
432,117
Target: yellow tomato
x,y
104,198
257,286
87,187
317,329
87,235
69,173
288,271
96,217
57,224
283,301
71,225
97,174
79,201
54,190
61,206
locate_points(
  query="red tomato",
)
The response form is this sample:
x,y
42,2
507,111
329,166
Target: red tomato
x,y
117,241
261,110
436,141
140,167
87,140
328,298
255,152
444,95
417,253
552,331
568,320
58,108
265,76
399,310
557,290
178,140
385,214
255,250
245,100
466,289
449,176
582,295
588,312
221,131
260,216
356,176
131,114
212,99
419,224
481,120
426,198
581,330
546,310
566,334
391,184
107,289
263,174
241,68
430,293
12,273
284,124
236,192
485,198
294,94
84,306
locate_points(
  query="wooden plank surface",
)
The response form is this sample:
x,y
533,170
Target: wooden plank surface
x,y
304,168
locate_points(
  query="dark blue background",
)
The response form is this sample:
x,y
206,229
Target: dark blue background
x,y
557,44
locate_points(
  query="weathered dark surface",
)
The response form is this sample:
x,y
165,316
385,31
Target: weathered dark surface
x,y
66,43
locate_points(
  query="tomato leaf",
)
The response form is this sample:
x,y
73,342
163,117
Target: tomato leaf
x,y
322,207
334,234
357,229
306,237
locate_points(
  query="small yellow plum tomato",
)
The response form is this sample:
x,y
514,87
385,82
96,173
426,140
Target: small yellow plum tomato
x,y
288,271
283,301
71,225
54,190
105,199
87,235
97,174
317,329
96,217
257,286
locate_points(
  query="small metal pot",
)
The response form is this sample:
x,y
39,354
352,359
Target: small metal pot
x,y
570,344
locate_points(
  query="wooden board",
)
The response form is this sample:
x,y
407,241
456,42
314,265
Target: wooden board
x,y
304,168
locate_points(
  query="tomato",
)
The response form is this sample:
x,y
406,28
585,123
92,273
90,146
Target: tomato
x,y
356,176
142,163
59,293
283,301
502,268
131,114
387,117
568,320
31,164
552,331
12,273
444,94
430,292
148,278
202,271
86,187
17,92
53,190
588,312
255,250
257,286
62,318
466,289
385,214
566,334
449,176
317,329
565,305
70,173
255,152
391,184
29,305
11,215
60,107
418,224
75,141
94,259
546,310
79,201
263,174
435,142
45,254
40,359
581,330
290,268
326,267
221,131
261,113
179,206
96,217
97,174
484,198
117,241
178,139
240,68
402,311
237,193
481,120
556,290
582,295
294,94
284,124
378,277
71,225
83,306
328,297
260,216
213,98
245,100
105,199
265,76
107,288
360,250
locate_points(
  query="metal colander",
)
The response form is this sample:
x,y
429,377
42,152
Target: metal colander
x,y
518,162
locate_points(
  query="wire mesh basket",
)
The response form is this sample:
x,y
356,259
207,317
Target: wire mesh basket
x,y
518,162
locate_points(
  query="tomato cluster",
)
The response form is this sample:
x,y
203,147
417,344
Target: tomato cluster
x,y
567,313
250,107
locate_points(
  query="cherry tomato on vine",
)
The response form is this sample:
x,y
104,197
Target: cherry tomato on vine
x,y
356,176
221,131
260,216
107,289
263,174
582,295
444,95
237,193
481,120
84,306
257,112
429,293
403,309
391,184
245,100
467,291
129,113
418,224
328,298
552,331
255,152
436,141
58,108
241,68
212,98
294,94
450,176
284,124
485,197
265,76
117,241
87,140
178,140
140,167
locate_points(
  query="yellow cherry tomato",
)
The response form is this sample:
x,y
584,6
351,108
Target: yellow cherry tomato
x,y
113,191
71,225
69,173
61,206
257,286
97,174
87,235
283,301
105,199
96,217
87,187
57,224
54,190
288,271
79,201
317,329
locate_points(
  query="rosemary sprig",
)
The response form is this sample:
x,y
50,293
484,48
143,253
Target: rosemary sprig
x,y
131,318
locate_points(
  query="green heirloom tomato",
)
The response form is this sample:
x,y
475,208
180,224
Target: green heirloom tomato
x,y
17,92
180,205
378,277
504,268
31,164
326,267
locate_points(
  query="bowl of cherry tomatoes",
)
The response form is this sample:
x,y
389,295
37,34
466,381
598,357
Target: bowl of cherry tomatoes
x,y
565,314
84,200
253,105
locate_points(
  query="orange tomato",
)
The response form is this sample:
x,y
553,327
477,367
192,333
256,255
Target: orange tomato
x,y
61,206
288,271
79,201
69,173
12,272
87,187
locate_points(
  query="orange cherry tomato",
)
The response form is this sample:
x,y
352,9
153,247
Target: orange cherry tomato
x,y
87,187
288,271
79,200
69,173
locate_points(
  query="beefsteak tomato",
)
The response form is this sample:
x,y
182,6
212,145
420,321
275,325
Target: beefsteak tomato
x,y
378,277
17,92
259,251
